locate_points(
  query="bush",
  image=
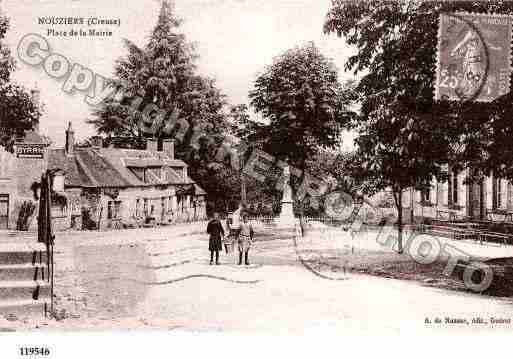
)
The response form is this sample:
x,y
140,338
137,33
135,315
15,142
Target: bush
x,y
87,222
27,209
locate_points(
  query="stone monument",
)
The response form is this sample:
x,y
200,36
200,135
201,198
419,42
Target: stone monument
x,y
287,214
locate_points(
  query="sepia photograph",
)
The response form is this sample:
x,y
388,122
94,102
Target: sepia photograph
x,y
254,167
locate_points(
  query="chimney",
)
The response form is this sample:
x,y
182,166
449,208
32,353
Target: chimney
x,y
35,95
96,141
168,146
70,140
152,145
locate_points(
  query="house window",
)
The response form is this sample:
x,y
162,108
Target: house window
x,y
113,209
452,192
145,206
4,211
499,193
137,207
499,190
58,211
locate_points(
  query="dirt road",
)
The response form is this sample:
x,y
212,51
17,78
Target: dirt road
x,y
162,279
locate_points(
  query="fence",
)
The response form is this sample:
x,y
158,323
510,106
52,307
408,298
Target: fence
x,y
466,234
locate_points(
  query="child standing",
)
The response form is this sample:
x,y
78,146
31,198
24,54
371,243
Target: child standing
x,y
245,239
216,231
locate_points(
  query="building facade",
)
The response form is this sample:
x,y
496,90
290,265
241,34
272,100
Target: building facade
x,y
97,187
116,188
458,200
19,171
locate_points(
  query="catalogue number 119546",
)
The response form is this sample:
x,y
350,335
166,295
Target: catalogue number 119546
x,y
34,351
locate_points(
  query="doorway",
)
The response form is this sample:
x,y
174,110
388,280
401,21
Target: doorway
x,y
4,211
476,201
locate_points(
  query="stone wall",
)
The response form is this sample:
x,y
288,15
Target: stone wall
x,y
17,176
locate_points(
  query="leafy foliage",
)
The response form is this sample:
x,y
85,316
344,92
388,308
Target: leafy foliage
x,y
303,103
405,137
18,113
396,54
164,73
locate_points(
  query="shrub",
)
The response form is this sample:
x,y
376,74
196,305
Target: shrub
x,y
27,209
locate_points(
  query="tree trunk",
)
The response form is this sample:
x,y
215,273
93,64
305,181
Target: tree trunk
x,y
301,204
399,205
243,194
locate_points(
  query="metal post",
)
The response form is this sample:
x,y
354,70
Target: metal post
x,y
411,205
45,230
242,183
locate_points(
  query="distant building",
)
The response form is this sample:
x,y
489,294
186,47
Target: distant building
x,y
490,199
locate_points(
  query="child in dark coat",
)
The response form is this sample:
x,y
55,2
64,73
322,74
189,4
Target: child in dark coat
x,y
216,232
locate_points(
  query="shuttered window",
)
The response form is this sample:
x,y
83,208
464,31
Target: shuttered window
x,y
113,209
499,193
504,193
455,188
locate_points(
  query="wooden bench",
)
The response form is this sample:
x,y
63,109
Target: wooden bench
x,y
451,215
451,232
503,216
504,238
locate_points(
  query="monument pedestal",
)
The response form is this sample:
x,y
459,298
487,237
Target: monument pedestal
x,y
286,218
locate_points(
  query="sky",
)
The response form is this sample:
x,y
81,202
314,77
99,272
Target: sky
x,y
235,40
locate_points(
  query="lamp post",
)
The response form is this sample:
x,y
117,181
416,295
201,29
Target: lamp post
x,y
52,181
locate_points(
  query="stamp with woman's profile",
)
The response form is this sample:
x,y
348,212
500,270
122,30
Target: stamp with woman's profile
x,y
473,57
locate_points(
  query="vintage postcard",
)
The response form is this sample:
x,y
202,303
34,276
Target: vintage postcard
x,y
254,167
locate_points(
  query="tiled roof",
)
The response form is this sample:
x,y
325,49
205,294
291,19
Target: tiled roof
x,y
143,162
173,177
110,167
144,154
99,170
198,190
74,174
85,169
189,180
175,163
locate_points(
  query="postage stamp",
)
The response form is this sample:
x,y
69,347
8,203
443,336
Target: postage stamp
x,y
473,57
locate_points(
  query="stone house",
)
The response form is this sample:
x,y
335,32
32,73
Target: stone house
x,y
18,173
99,187
114,188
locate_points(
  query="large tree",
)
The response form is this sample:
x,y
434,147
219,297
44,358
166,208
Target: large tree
x,y
18,113
163,73
406,137
302,105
